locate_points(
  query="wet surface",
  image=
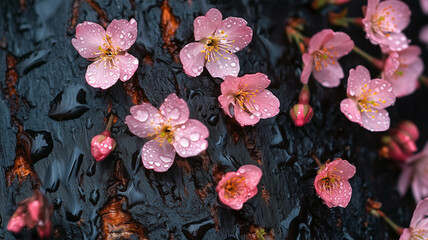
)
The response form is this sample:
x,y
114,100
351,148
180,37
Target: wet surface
x,y
50,115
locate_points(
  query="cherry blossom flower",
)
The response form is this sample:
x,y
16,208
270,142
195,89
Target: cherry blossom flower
x,y
302,112
400,143
216,42
367,99
108,49
33,212
325,48
419,224
423,35
402,69
169,129
235,188
246,98
424,5
331,183
414,173
384,22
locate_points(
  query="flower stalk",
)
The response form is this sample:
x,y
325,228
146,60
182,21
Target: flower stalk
x,y
374,210
376,62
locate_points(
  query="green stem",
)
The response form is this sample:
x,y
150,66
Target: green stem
x,y
394,226
376,62
110,122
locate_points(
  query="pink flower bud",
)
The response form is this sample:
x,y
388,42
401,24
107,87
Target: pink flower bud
x,y
400,144
102,145
301,114
410,128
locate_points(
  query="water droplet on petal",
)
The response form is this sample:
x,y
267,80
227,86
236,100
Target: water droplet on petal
x,y
184,142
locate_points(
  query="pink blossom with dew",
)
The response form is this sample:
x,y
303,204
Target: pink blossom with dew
x,y
247,99
414,174
367,100
216,42
169,129
384,22
102,145
331,183
419,224
108,49
402,69
325,49
423,35
235,188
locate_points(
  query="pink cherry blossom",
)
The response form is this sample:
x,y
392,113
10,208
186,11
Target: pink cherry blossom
x,y
419,224
102,145
216,42
325,48
331,183
367,100
384,22
424,5
402,69
169,129
108,49
235,188
247,99
423,35
414,173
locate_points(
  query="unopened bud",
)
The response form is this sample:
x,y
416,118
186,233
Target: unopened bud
x,y
301,114
102,145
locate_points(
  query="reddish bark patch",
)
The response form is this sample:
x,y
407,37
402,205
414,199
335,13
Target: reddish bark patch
x,y
117,223
214,215
148,60
10,89
203,192
102,15
119,177
265,195
23,4
74,14
183,164
169,24
217,173
133,89
205,160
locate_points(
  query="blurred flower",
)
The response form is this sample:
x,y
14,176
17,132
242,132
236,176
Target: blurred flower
x,y
419,225
331,183
33,212
217,41
415,173
108,50
424,5
402,69
170,130
367,99
325,48
302,112
235,188
423,35
400,143
384,22
317,4
247,99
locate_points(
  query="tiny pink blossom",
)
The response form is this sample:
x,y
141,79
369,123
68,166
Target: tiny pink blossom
x,y
367,100
325,49
247,99
384,22
217,41
423,35
108,49
102,145
419,224
414,174
424,5
402,69
331,183
169,129
235,188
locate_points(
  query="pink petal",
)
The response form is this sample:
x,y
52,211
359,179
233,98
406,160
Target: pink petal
x,y
406,235
254,82
423,34
340,44
357,79
204,26
225,102
244,118
225,64
144,120
407,83
371,8
193,59
308,66
391,64
16,223
252,174
189,138
410,54
350,109
229,87
265,104
318,40
89,36
404,180
329,76
34,209
385,97
127,64
424,5
396,41
238,34
123,33
100,74
399,14
174,110
378,123
420,213
342,168
157,156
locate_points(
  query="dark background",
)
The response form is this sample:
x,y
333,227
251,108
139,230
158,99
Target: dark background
x,y
44,93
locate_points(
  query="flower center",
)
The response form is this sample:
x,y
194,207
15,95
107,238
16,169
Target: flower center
x,y
166,132
330,182
215,45
242,97
419,233
234,187
322,58
107,53
366,105
381,23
